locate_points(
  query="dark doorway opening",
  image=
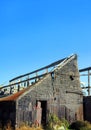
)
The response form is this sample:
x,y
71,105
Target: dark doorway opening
x,y
44,112
87,108
7,113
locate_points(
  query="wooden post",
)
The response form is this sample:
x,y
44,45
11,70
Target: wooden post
x,y
38,115
88,82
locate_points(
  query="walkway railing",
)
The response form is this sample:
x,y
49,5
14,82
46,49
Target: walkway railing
x,y
23,81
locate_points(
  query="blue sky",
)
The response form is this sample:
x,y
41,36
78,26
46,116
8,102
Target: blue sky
x,y
34,33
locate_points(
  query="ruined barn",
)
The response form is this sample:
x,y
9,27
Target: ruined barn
x,y
53,89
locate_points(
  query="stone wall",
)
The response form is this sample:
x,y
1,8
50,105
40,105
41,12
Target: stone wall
x,y
60,89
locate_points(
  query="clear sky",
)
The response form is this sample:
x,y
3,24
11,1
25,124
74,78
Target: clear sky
x,y
34,33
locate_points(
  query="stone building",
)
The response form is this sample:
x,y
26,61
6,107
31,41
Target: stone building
x,y
56,91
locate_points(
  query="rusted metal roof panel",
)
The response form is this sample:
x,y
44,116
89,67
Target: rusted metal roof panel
x,y
13,97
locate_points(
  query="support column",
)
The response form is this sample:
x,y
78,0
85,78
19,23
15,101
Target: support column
x,y
88,82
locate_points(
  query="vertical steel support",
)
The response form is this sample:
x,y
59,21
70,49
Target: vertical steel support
x,y
88,82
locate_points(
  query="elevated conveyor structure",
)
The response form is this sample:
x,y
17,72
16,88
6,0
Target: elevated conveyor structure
x,y
26,80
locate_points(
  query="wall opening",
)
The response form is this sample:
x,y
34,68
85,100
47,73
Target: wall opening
x,y
7,113
44,110
71,77
87,108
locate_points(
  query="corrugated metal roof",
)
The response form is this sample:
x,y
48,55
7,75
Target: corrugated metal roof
x,y
13,97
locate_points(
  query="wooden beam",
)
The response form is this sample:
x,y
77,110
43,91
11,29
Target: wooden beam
x,y
85,69
46,67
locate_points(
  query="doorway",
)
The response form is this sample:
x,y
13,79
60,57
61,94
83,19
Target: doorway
x,y
8,113
44,112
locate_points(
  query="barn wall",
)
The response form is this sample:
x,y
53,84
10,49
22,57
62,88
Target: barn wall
x,y
60,90
71,100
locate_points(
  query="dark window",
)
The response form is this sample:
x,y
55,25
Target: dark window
x,y
71,77
52,75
